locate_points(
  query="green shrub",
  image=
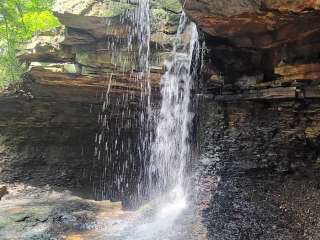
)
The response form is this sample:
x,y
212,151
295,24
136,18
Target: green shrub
x,y
19,21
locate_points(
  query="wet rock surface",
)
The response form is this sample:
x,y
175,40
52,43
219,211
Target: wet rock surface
x,y
42,213
256,45
266,168
259,125
49,123
259,135
40,156
29,213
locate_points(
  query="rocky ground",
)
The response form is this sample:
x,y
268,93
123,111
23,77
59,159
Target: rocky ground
x,y
259,140
265,206
41,213
32,213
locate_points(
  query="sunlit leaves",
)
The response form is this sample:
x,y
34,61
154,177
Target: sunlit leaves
x,y
19,21
38,21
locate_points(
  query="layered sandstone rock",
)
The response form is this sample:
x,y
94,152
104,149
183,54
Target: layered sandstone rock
x,y
259,131
262,164
48,125
255,44
256,24
96,47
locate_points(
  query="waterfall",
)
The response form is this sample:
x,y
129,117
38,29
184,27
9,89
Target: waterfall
x,y
165,169
142,21
170,151
115,150
143,25
142,18
162,161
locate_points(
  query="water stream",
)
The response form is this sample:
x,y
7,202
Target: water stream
x,y
115,149
166,167
171,148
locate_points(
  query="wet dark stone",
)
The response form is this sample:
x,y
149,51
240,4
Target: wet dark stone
x,y
264,156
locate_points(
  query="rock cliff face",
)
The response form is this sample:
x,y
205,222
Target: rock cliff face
x,y
258,45
261,160
258,122
259,125
48,126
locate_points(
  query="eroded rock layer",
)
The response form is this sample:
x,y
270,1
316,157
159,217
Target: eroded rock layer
x,y
262,169
259,128
255,45
49,124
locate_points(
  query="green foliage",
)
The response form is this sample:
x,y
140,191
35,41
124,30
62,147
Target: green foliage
x,y
173,6
159,17
116,8
164,13
19,21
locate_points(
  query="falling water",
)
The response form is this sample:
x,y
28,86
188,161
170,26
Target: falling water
x,y
116,147
142,21
171,148
170,153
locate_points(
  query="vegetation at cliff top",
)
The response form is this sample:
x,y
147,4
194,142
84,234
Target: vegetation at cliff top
x,y
19,21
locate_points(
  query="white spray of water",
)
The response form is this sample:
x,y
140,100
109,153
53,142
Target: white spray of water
x,y
170,151
144,33
171,148
143,24
114,152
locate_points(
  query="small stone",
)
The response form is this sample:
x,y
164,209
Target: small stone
x,y
3,190
20,217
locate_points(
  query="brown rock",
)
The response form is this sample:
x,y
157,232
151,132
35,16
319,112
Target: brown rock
x,y
262,24
299,72
260,44
47,47
3,191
